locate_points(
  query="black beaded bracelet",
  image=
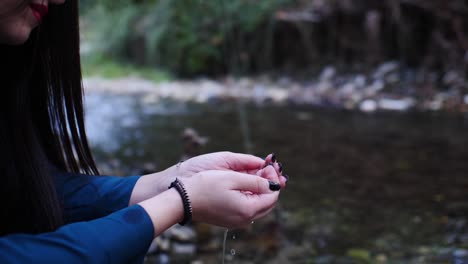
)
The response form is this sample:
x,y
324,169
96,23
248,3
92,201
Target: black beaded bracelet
x,y
179,186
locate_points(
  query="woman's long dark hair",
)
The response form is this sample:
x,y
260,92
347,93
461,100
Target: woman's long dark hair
x,y
41,122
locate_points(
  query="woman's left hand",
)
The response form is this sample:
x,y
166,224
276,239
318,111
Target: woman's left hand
x,y
226,160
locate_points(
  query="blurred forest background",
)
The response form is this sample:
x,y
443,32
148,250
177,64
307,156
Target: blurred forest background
x,y
192,37
414,50
364,101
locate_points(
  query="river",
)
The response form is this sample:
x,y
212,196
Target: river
x,y
364,188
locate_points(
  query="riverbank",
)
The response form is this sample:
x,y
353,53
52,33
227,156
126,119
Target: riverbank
x,y
387,88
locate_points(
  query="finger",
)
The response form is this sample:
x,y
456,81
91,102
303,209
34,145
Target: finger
x,y
254,184
283,179
278,167
270,174
243,162
271,158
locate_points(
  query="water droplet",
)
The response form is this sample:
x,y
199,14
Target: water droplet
x,y
252,222
233,252
233,236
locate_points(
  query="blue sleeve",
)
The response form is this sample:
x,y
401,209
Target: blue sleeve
x,y
86,197
122,237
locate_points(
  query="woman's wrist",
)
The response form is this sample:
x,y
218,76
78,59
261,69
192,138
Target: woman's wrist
x,y
165,210
151,185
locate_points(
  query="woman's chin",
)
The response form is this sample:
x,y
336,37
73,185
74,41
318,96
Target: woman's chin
x,y
16,37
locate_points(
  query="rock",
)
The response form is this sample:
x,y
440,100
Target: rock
x,y
460,256
323,86
284,82
182,234
347,89
396,104
163,259
435,104
359,254
327,74
374,88
182,249
386,68
259,94
160,243
451,78
360,81
377,85
465,99
381,259
368,106
393,78
278,94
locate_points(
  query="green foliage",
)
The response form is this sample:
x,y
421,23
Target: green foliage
x,y
184,36
104,67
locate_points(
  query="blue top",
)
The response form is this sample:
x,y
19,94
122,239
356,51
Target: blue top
x,y
100,228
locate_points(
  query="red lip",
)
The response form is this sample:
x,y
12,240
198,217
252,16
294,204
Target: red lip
x,y
39,11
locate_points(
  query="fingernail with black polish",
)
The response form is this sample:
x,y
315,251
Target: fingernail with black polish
x,y
280,167
273,157
274,186
287,177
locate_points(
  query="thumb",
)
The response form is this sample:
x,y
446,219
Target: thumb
x,y
254,184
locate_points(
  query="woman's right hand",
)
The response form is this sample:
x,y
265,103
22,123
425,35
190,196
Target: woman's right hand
x,y
231,199
219,197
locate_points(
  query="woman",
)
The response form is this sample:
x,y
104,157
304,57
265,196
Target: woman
x,y
53,214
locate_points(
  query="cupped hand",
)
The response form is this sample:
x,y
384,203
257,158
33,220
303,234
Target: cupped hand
x,y
156,183
225,160
231,199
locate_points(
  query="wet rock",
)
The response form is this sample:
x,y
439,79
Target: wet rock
x,y
259,94
361,255
451,78
460,256
465,99
328,73
368,106
163,258
377,85
182,249
381,259
386,68
323,87
396,104
182,234
393,78
360,81
435,104
347,89
285,82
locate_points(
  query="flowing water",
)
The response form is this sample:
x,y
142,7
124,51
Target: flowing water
x,y
381,187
